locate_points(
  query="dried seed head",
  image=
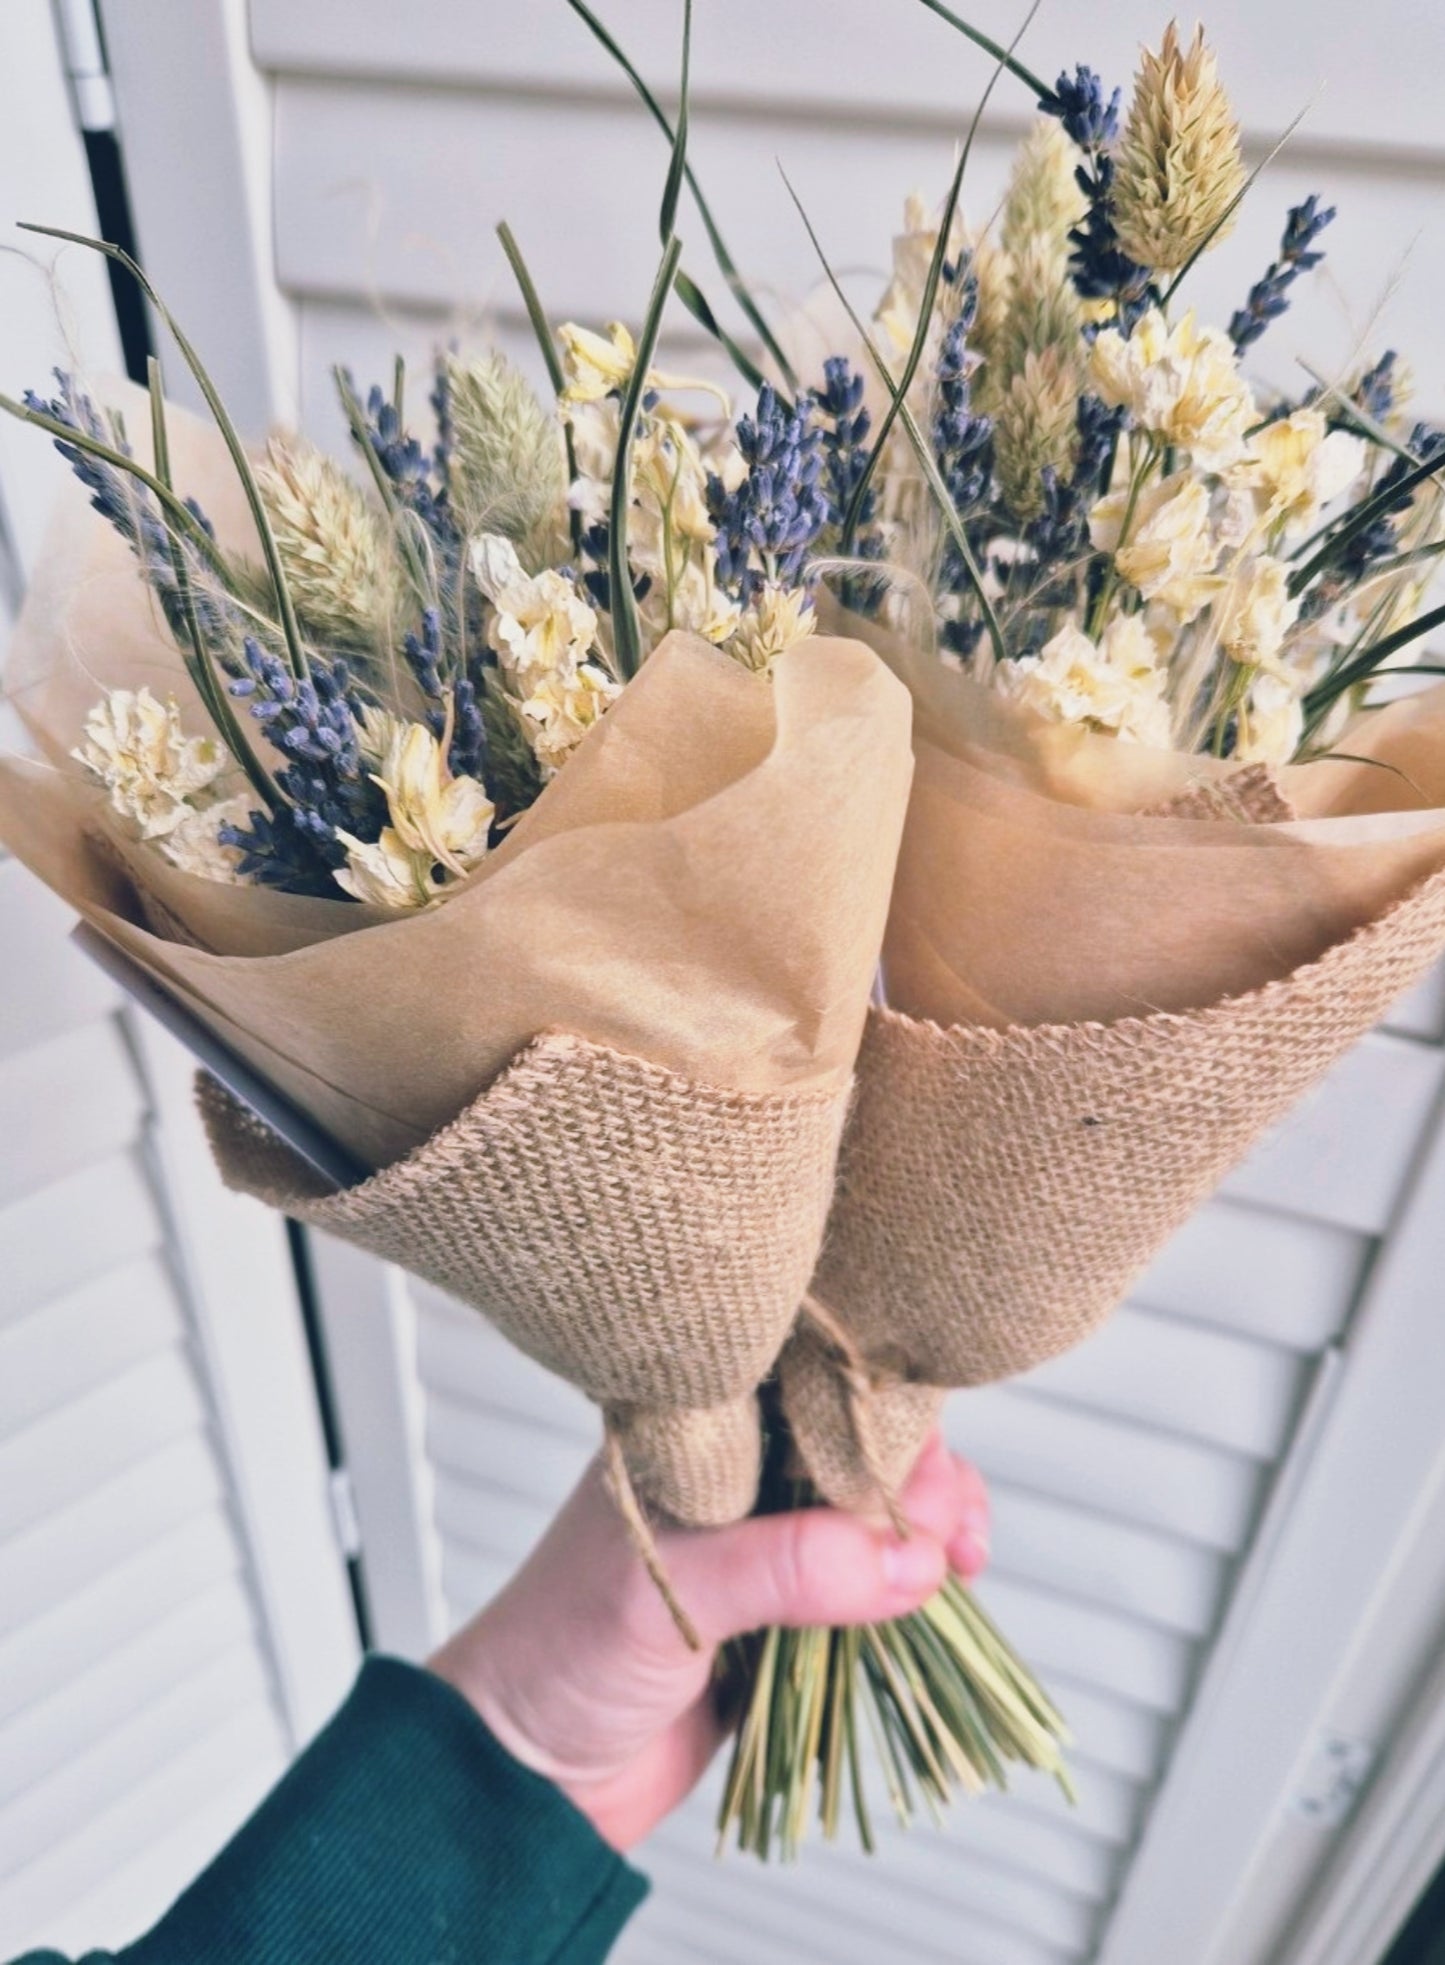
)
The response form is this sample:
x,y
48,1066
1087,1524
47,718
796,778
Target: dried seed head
x,y
1044,199
336,552
1036,429
508,467
1179,168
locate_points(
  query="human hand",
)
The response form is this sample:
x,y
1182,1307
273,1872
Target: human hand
x,y
580,1673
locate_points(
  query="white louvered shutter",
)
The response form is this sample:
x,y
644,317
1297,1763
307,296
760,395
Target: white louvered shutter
x,y
174,1616
1212,1524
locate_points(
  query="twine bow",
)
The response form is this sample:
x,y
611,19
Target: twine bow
x,y
858,1382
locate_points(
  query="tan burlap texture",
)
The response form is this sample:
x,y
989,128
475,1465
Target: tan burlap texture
x,y
999,1190
645,1237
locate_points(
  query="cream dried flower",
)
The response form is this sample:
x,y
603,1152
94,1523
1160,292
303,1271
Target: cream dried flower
x,y
1179,170
1044,201
1169,553
539,622
195,847
1255,613
386,873
562,708
1181,385
508,470
1296,466
775,621
336,551
135,746
1270,721
1036,429
913,249
1116,686
595,365
443,819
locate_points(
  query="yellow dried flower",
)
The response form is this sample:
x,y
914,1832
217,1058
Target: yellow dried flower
x,y
1179,168
1181,384
336,551
1169,553
1116,685
508,463
1036,429
1044,200
595,364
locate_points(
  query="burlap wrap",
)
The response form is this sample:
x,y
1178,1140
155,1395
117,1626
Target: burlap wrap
x,y
645,1237
999,1190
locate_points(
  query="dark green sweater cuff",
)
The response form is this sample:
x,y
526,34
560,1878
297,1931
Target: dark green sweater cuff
x,y
405,1835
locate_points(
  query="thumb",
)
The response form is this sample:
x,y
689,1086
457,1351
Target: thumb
x,y
812,1566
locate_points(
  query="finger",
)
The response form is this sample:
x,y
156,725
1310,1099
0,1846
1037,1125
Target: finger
x,y
946,1498
813,1566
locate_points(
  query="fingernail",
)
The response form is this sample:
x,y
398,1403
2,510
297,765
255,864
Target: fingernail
x,y
971,1551
916,1564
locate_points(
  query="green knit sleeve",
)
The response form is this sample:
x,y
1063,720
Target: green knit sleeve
x,y
405,1835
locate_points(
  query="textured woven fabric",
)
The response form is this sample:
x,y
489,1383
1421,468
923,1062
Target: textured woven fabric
x,y
1000,1190
645,1237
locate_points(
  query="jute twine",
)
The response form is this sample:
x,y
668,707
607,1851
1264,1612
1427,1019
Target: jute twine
x,y
999,1190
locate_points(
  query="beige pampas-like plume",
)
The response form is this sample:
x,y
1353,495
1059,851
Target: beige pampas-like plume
x,y
1179,168
340,564
1035,429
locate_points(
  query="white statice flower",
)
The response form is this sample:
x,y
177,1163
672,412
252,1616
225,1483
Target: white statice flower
x,y
1295,466
1255,613
777,619
135,745
1181,385
195,847
1270,721
441,817
1117,685
539,621
1169,552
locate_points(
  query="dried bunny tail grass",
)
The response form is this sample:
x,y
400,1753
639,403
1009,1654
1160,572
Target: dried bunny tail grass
x,y
1044,200
508,464
1036,429
1045,312
336,550
993,271
1179,168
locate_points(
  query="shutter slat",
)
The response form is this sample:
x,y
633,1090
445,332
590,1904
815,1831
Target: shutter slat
x,y
68,1347
247,1741
46,990
1138,1662
51,1731
1343,1154
918,68
1137,1473
85,1443
116,1606
454,160
1131,1570
41,1254
64,1104
56,1557
461,1357
1207,1385
1265,1274
81,1788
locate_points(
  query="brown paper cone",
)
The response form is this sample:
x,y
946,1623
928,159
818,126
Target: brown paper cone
x,y
698,897
1097,1012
